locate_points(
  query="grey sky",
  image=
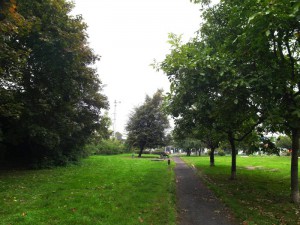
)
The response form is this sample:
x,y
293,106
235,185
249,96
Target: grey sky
x,y
128,35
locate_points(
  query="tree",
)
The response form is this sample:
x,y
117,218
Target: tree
x,y
268,34
12,58
284,141
276,26
202,81
147,124
192,127
56,89
103,132
261,42
184,139
118,136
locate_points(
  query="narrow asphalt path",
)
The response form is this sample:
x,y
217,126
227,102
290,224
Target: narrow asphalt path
x,y
196,204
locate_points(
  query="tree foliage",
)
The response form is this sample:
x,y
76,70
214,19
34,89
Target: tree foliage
x,y
241,70
202,95
50,99
284,142
147,124
263,44
106,147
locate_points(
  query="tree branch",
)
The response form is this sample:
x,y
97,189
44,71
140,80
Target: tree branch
x,y
250,130
292,61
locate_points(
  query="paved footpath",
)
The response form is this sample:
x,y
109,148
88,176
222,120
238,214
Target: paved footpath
x,y
196,205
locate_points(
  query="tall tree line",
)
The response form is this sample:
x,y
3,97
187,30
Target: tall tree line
x,y
50,99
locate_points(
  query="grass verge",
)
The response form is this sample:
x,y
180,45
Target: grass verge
x,y
260,195
102,190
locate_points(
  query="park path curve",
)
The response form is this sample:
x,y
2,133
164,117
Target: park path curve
x,y
196,204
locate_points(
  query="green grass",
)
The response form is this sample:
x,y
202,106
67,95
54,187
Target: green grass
x,y
102,190
261,193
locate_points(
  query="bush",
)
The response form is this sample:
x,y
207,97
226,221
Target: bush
x,y
221,152
217,151
208,152
106,147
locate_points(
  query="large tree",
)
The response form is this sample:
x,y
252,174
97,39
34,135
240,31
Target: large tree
x,y
147,125
56,89
275,27
203,83
260,41
12,58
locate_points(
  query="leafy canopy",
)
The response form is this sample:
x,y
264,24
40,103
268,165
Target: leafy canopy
x,y
147,124
50,100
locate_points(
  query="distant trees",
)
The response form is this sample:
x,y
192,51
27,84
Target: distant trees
x,y
284,141
240,71
110,146
190,132
119,136
147,124
50,102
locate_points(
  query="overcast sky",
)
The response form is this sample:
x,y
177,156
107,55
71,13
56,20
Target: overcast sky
x,y
128,35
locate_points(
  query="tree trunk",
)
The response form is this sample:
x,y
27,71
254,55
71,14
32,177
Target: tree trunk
x,y
141,150
233,156
212,157
188,152
294,166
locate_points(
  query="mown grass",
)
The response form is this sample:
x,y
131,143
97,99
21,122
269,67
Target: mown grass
x,y
102,190
261,193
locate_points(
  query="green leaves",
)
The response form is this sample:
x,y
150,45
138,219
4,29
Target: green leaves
x,y
147,124
51,86
243,67
174,40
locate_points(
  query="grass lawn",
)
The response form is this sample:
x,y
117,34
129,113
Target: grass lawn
x,y
260,195
101,190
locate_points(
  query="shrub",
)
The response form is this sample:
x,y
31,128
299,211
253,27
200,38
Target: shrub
x,y
221,152
106,147
208,152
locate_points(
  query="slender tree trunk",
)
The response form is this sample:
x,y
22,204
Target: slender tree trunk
x,y
141,151
212,157
188,152
233,156
294,166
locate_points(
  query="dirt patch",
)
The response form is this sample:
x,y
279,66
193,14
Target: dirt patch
x,y
260,168
253,167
